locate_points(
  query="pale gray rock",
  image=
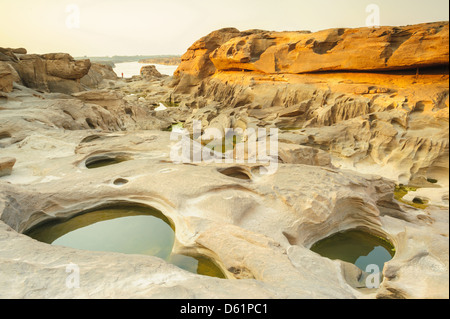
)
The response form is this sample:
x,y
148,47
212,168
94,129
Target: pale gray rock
x,y
258,230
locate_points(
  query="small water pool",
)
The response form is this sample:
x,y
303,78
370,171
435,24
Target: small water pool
x,y
125,229
357,247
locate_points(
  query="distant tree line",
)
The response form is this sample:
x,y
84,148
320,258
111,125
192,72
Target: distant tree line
x,y
112,60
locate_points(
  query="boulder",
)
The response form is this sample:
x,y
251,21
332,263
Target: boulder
x,y
63,66
149,72
19,51
7,54
10,51
98,75
54,72
6,78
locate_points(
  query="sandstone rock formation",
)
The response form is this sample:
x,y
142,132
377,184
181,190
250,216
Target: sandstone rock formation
x,y
131,116
8,54
345,142
362,49
98,76
196,64
387,115
299,154
53,72
258,230
6,78
149,72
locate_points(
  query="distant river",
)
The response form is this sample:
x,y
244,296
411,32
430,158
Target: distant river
x,y
134,68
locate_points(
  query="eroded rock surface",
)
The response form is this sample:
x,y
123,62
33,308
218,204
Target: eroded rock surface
x,y
6,78
149,72
52,72
258,230
346,140
361,49
98,76
383,121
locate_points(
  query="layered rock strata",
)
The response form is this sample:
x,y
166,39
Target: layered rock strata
x,y
390,114
53,72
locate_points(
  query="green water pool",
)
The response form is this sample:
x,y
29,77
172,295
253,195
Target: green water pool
x,y
357,247
127,229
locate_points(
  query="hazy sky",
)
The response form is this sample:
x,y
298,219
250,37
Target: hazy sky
x,y
147,27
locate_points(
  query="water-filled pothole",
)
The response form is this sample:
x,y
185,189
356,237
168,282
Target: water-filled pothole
x,y
124,229
104,160
357,247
